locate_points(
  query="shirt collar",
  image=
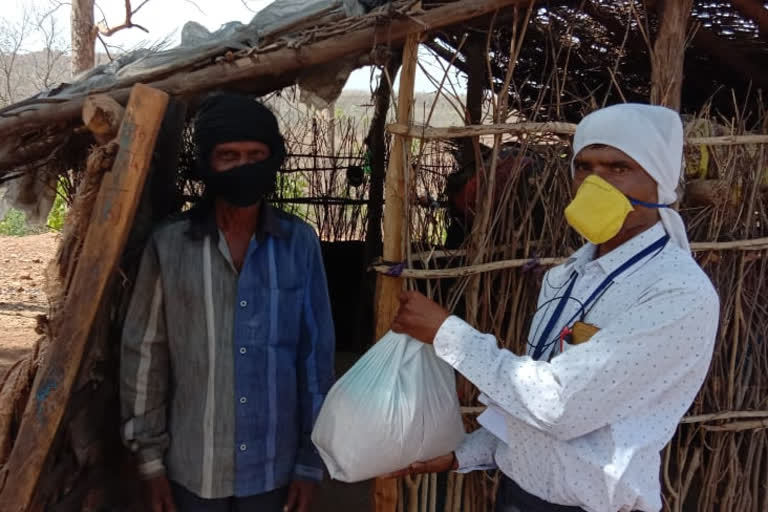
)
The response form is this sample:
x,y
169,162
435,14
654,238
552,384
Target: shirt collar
x,y
617,257
269,224
614,259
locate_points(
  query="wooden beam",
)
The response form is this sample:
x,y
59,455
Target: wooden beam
x,y
388,288
266,66
727,140
102,116
456,132
110,224
668,53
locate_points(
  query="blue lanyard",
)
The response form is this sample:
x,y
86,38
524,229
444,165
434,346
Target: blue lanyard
x,y
543,343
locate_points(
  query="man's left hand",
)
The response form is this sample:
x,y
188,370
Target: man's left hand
x,y
419,317
301,494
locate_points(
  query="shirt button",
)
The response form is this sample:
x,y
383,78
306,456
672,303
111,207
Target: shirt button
x,y
243,303
243,399
243,447
243,350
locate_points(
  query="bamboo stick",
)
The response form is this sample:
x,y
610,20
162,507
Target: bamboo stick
x,y
668,53
458,132
469,270
388,288
757,244
727,140
738,426
725,415
754,244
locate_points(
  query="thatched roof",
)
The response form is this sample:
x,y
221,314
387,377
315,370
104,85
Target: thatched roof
x,y
585,42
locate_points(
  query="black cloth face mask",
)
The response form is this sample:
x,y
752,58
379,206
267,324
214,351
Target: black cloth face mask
x,y
244,185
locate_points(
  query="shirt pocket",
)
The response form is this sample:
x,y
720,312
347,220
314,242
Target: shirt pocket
x,y
289,305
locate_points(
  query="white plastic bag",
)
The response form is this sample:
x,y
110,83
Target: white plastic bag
x,y
397,405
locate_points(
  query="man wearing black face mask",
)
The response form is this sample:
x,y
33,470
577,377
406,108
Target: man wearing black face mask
x,y
228,344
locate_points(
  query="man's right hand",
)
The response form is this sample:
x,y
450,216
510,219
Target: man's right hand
x,y
437,465
159,495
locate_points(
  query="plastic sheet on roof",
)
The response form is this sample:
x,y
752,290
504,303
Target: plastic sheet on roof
x,y
196,41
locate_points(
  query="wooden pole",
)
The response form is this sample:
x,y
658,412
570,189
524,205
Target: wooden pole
x,y
378,148
456,132
668,53
476,84
388,288
110,224
378,161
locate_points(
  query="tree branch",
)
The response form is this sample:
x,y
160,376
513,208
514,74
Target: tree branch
x,y
142,4
194,4
245,4
104,30
105,45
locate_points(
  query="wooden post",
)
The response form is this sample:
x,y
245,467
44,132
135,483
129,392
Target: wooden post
x,y
668,53
374,243
110,224
389,288
377,145
476,84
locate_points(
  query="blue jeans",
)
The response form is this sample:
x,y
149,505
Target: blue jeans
x,y
186,501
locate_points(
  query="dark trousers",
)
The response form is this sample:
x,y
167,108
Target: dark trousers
x,y
186,501
511,498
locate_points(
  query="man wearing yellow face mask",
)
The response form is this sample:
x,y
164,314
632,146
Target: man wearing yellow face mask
x,y
618,348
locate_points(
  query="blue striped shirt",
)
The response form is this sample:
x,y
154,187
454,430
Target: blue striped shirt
x,y
283,321
223,373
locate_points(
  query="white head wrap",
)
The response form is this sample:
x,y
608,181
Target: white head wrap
x,y
653,137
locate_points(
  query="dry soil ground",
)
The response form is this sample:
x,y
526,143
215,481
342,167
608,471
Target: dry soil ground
x,y
22,297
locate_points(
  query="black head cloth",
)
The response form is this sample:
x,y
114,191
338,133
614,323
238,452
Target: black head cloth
x,y
230,117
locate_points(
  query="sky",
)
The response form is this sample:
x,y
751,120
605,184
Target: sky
x,y
165,18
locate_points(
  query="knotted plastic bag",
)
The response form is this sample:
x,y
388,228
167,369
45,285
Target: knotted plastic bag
x,y
397,405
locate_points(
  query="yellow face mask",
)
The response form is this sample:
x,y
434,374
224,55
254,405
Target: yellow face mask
x,y
598,211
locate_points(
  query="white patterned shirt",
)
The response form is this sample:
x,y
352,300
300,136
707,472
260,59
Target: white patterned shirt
x,y
585,427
